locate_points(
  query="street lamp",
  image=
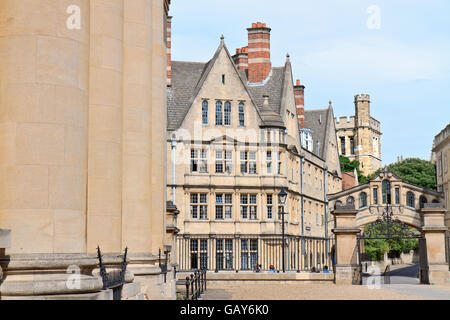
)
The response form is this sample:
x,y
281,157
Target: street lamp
x,y
282,200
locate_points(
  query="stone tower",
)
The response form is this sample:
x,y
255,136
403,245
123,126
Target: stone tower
x,y
82,139
359,137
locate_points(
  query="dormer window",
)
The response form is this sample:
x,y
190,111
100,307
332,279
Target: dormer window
x,y
306,139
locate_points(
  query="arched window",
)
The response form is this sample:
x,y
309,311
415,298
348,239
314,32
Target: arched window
x,y
338,204
205,112
227,113
350,201
219,113
410,201
241,114
386,190
363,200
422,201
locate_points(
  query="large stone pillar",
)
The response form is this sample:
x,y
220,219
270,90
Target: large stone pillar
x,y
434,232
105,127
347,268
44,83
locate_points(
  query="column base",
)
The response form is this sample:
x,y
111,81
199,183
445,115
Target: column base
x,y
155,285
347,275
439,274
41,276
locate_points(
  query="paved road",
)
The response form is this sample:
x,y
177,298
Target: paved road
x,y
405,280
404,286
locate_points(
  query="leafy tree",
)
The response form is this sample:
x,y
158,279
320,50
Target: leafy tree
x,y
349,166
416,171
376,248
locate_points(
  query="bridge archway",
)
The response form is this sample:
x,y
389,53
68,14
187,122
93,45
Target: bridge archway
x,y
408,205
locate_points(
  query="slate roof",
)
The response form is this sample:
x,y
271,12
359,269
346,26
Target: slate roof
x,y
318,121
187,80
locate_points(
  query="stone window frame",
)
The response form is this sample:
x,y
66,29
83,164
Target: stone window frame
x,y
205,111
199,205
410,199
241,110
226,206
199,160
249,208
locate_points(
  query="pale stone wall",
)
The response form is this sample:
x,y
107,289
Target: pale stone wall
x,y
366,133
82,132
441,158
44,83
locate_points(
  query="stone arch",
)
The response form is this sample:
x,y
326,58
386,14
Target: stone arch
x,y
422,201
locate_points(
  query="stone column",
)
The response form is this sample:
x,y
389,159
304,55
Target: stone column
x,y
434,232
44,83
347,268
105,127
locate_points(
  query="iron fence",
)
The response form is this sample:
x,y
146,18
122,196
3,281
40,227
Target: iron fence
x,y
195,285
250,252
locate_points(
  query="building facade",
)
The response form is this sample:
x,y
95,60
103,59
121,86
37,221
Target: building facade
x,y
82,144
233,142
359,137
440,157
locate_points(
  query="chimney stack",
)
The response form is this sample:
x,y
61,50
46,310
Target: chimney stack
x,y
241,58
259,65
169,51
299,92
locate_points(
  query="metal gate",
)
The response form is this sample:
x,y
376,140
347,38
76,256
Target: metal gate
x,y
387,228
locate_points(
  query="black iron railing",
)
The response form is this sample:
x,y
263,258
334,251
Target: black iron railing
x,y
114,279
253,252
195,285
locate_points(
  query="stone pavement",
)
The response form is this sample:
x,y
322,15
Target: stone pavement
x,y
268,291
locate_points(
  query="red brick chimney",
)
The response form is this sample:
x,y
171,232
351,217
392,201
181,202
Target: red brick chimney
x,y
241,58
169,51
259,65
299,92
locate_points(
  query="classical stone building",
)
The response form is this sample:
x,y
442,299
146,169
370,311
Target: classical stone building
x,y
441,158
233,142
82,144
359,137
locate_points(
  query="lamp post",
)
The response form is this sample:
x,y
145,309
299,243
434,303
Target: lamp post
x,y
282,200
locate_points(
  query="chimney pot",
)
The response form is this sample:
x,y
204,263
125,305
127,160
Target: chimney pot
x,y
259,64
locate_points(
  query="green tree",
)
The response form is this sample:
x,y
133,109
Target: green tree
x,y
416,171
349,166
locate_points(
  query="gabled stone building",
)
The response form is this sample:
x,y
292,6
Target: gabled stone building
x,y
233,141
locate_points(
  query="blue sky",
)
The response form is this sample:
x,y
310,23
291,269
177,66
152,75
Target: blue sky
x,y
404,64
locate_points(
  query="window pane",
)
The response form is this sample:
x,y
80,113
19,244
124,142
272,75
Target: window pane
x,y
218,113
205,112
227,109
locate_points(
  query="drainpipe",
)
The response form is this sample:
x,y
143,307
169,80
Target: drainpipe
x,y
301,192
174,147
326,201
